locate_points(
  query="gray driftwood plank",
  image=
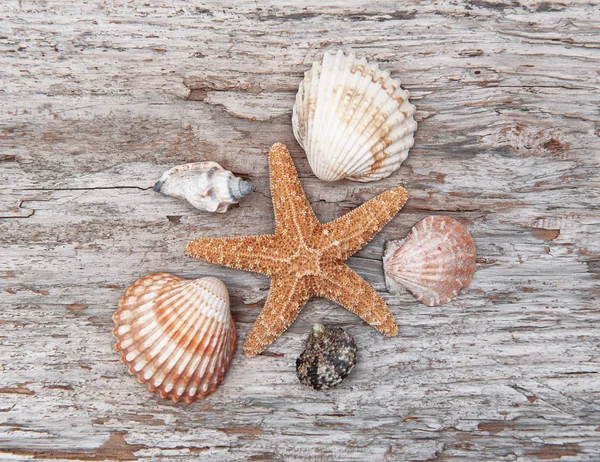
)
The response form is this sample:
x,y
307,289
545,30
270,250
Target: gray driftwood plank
x,y
99,98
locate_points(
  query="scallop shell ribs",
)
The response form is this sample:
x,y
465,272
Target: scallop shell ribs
x,y
353,120
434,262
176,335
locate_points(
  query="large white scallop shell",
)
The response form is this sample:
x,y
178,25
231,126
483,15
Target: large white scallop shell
x,y
205,185
353,120
176,335
434,261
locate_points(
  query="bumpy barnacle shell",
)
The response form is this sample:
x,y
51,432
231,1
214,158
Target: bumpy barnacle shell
x,y
329,357
205,185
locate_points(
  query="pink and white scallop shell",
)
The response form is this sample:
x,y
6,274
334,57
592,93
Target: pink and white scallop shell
x,y
176,335
434,261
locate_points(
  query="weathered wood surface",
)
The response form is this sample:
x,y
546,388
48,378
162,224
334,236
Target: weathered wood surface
x,y
99,98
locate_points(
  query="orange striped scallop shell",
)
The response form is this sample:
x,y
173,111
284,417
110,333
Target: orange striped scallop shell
x,y
176,335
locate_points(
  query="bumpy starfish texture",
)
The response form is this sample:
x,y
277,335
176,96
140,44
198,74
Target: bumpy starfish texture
x,y
305,258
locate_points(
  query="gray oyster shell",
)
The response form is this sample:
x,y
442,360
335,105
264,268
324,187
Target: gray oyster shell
x,y
329,357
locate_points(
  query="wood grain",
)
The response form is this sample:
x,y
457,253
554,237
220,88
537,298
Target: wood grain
x,y
99,98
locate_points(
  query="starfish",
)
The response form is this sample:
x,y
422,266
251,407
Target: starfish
x,y
305,258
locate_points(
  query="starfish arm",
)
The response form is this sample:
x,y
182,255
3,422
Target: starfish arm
x,y
344,286
281,309
250,253
291,207
352,231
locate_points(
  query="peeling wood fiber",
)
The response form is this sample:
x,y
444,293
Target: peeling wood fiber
x,y
99,98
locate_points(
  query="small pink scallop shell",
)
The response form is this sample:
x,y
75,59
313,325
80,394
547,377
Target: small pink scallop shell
x,y
176,335
434,261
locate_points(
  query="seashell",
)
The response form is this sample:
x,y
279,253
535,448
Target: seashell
x,y
434,261
329,357
205,185
176,335
353,120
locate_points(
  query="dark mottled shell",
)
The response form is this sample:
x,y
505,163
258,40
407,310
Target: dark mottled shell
x,y
329,357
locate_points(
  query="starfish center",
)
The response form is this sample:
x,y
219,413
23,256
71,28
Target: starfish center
x,y
305,262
